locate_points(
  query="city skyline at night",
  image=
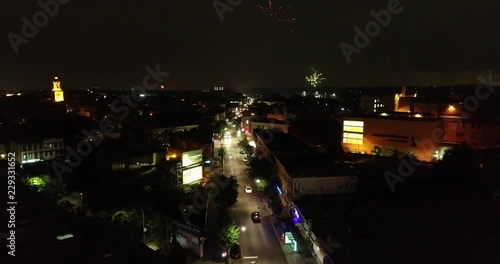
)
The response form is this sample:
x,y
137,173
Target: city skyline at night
x,y
250,131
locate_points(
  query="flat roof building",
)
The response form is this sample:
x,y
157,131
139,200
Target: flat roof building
x,y
384,135
303,170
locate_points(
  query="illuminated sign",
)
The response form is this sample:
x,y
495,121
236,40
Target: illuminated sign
x,y
288,238
191,158
192,175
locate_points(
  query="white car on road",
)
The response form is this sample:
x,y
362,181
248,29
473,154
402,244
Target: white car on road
x,y
248,189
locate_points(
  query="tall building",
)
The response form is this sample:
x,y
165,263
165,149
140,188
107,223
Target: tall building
x,y
58,92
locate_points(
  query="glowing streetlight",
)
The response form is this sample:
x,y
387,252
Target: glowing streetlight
x,y
243,228
257,181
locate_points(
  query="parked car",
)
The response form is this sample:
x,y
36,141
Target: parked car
x,y
235,251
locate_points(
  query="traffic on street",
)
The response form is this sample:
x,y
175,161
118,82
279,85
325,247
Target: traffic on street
x,y
259,241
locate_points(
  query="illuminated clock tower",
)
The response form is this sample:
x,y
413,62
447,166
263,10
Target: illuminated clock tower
x,y
58,92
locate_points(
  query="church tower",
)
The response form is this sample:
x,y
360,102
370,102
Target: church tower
x,y
58,92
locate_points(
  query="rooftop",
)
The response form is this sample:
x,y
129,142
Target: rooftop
x,y
178,122
390,116
283,142
201,136
269,121
316,166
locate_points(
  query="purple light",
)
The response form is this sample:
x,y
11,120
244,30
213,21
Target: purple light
x,y
296,218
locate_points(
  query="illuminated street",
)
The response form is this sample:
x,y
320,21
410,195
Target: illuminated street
x,y
259,242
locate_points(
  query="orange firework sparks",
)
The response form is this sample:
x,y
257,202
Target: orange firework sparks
x,y
280,14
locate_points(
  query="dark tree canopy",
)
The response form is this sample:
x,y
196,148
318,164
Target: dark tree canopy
x,y
459,165
224,190
261,168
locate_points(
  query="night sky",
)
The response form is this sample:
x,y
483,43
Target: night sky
x,y
109,43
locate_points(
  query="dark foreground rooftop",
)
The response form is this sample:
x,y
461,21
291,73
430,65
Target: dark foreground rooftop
x,y
39,223
435,227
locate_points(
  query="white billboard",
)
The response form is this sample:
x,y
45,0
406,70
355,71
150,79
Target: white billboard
x,y
192,158
192,175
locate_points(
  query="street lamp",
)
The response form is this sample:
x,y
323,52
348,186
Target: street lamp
x,y
143,227
243,228
257,181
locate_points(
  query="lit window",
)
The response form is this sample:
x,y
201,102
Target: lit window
x,y
353,135
354,123
353,129
353,132
353,141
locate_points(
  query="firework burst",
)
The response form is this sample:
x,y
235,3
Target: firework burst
x,y
315,79
280,14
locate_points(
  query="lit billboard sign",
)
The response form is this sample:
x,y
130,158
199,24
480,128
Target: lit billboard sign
x,y
192,175
191,158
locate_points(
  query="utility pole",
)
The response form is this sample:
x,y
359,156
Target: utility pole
x,y
168,238
309,234
206,212
143,227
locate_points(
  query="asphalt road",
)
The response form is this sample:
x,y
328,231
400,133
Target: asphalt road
x,y
259,242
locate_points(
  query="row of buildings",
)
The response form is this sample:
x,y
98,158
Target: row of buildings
x,y
343,209
345,215
39,126
401,123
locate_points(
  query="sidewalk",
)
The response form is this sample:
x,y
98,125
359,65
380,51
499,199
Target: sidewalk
x,y
302,253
